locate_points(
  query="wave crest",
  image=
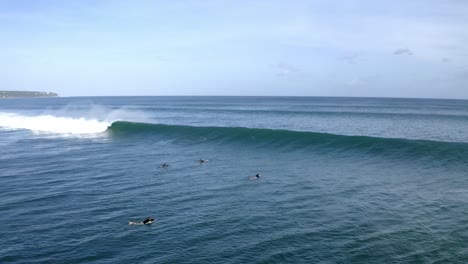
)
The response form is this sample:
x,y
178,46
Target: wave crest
x,y
283,140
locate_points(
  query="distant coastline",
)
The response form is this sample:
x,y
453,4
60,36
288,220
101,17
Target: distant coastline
x,y
25,94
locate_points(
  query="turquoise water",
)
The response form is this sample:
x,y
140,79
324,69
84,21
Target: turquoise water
x,y
343,180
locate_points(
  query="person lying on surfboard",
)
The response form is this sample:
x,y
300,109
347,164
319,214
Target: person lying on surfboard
x,y
256,177
147,221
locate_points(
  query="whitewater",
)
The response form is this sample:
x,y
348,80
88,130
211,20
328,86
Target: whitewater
x,y
52,124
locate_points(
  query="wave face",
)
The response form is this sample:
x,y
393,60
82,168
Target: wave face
x,y
53,124
294,140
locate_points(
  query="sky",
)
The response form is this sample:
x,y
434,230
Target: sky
x,y
366,48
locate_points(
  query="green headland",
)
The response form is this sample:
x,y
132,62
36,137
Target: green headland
x,y
22,94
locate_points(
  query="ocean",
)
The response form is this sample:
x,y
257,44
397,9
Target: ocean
x,y
342,180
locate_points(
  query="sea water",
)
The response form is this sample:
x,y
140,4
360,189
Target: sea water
x,y
343,180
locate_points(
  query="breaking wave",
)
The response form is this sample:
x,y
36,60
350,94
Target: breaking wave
x,y
53,124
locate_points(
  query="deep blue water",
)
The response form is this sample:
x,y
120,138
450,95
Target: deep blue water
x,y
343,180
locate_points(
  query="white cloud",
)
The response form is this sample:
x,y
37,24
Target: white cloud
x,y
284,69
351,59
403,51
364,34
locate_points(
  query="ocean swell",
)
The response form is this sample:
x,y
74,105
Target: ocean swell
x,y
297,140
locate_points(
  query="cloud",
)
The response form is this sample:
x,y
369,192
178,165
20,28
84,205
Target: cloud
x,y
402,51
361,80
445,60
284,69
351,59
430,37
356,81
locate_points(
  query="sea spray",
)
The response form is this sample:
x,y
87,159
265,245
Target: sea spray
x,y
71,119
89,110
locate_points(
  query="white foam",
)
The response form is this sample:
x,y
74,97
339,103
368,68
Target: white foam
x,y
53,124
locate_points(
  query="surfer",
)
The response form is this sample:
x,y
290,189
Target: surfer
x,y
164,165
147,221
256,177
202,161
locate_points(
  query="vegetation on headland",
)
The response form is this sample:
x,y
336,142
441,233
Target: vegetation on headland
x,y
22,94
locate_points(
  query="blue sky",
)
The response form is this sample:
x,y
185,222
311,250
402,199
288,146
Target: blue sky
x,y
300,48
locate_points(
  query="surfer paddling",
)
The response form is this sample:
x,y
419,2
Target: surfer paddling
x,y
164,165
256,177
147,221
201,161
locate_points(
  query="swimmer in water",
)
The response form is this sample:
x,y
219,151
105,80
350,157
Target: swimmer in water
x,y
256,177
147,221
164,165
202,161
